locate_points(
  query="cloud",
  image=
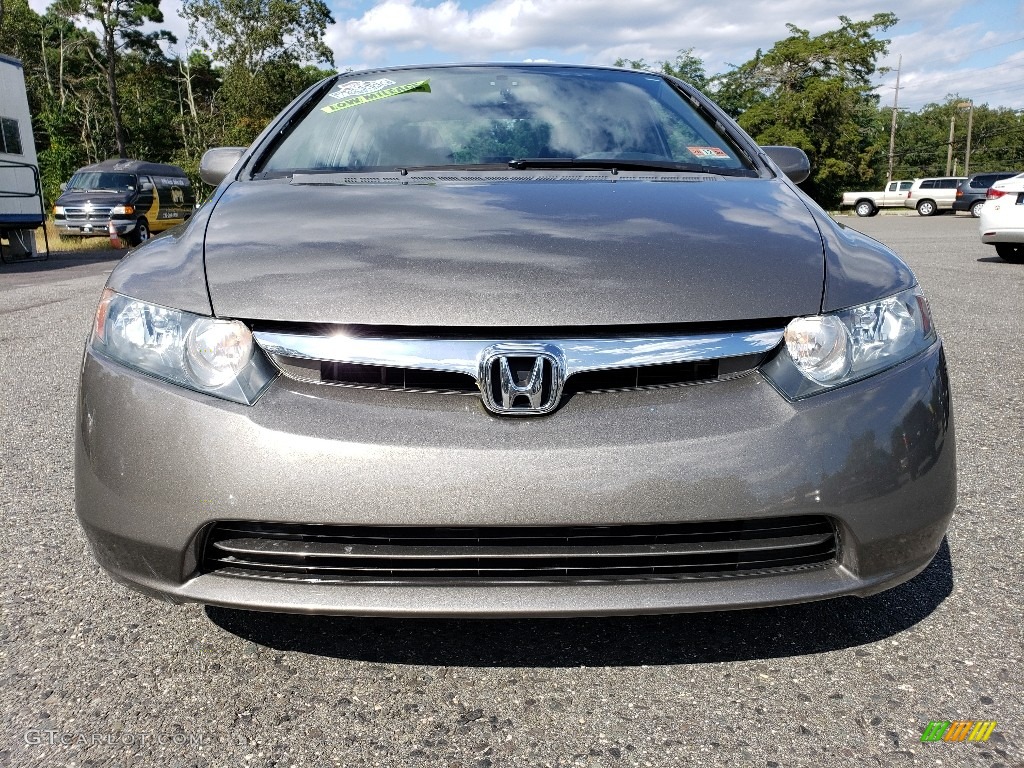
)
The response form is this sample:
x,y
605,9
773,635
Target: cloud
x,y
728,30
998,84
955,46
936,40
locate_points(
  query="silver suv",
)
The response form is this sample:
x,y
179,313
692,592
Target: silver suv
x,y
929,196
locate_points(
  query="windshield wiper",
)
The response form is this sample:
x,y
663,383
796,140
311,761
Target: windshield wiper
x,y
616,164
404,169
378,169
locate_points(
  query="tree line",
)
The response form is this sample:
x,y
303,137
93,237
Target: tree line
x,y
99,86
816,93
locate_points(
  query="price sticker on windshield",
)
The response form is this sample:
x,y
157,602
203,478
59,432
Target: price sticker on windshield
x,y
707,152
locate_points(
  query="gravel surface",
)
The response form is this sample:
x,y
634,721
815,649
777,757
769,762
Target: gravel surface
x,y
96,675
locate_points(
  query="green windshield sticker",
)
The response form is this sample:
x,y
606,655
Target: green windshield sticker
x,y
423,86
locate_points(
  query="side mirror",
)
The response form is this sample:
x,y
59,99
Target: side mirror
x,y
217,162
64,186
791,161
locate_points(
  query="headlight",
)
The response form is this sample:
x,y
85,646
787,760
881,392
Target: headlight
x,y
122,210
58,210
827,351
217,357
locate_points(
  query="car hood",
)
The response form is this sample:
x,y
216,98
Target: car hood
x,y
97,198
513,253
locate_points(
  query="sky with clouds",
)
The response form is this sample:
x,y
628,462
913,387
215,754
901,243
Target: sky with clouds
x,y
973,48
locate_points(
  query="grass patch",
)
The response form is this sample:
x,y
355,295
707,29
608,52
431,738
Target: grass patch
x,y
64,243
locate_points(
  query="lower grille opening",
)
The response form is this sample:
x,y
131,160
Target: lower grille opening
x,y
387,377
508,554
646,377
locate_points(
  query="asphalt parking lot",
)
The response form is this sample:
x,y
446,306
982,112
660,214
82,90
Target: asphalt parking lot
x,y
96,675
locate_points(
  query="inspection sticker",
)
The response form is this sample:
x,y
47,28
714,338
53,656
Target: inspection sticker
x,y
707,152
360,87
423,86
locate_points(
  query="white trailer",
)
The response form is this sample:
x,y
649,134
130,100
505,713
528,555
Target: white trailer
x,y
21,197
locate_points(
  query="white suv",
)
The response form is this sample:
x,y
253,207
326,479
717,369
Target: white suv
x,y
929,196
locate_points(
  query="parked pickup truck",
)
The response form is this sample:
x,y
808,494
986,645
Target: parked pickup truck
x,y
868,203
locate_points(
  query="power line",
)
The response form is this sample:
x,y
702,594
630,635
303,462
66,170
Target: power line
x,y
998,88
991,66
969,70
972,70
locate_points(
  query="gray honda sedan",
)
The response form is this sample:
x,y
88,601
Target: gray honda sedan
x,y
511,340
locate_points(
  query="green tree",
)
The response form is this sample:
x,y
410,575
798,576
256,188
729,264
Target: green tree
x,y
922,139
17,22
815,93
252,33
261,46
251,100
686,66
120,23
61,83
199,120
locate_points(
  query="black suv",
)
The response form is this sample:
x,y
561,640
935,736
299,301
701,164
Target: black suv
x,y
970,194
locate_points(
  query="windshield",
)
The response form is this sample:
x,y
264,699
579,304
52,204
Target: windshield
x,y
89,181
487,116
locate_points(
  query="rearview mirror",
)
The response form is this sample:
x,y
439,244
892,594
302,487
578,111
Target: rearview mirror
x,y
217,162
791,161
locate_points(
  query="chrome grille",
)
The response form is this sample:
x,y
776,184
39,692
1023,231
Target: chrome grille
x,y
97,213
452,366
503,554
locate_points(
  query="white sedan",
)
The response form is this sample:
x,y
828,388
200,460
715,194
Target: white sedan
x,y
1002,218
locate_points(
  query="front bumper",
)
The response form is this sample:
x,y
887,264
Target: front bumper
x,y
156,465
93,228
90,229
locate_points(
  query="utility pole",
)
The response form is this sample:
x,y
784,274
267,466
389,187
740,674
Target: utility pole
x,y
892,129
949,149
970,125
